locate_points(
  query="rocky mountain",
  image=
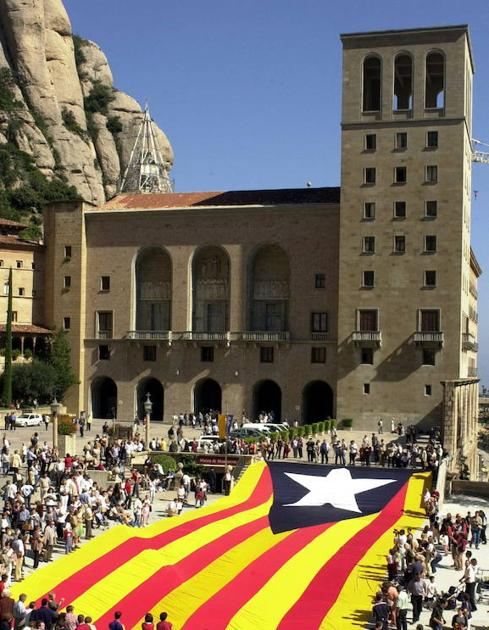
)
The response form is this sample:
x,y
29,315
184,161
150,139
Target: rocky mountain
x,y
64,129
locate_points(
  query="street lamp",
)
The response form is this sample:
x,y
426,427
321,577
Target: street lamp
x,y
148,407
55,405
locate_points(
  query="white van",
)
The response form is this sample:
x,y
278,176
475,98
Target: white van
x,y
257,426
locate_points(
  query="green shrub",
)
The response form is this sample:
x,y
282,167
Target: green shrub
x,y
8,102
66,427
28,353
347,423
300,431
79,44
99,99
326,425
307,430
165,461
15,354
114,125
71,124
314,427
332,424
284,436
320,427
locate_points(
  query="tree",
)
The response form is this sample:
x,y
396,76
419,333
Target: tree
x,y
36,380
7,375
60,360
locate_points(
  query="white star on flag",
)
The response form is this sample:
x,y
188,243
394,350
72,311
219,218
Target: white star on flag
x,y
338,489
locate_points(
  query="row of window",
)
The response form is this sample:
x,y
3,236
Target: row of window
x,y
428,356
20,291
402,82
401,141
104,283
400,175
19,264
318,354
428,320
428,389
399,244
429,279
399,209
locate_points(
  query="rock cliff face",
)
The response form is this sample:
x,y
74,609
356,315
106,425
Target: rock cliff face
x,y
66,112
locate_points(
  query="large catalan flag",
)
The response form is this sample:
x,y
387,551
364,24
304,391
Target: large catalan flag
x,y
295,545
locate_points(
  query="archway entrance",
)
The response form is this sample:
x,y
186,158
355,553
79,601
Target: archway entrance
x,y
104,398
317,402
154,388
267,396
207,396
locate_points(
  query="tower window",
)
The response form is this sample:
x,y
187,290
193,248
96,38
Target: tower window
x,y
320,281
207,354
399,209
369,175
370,142
67,323
105,283
427,390
400,175
432,140
318,355
19,264
366,388
401,140
432,174
104,353
149,353
399,244
369,210
430,244
430,279
403,83
67,282
21,291
428,356
368,245
266,354
368,279
67,252
371,84
367,356
435,81
319,322
431,209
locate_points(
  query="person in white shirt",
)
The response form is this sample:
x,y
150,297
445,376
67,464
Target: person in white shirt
x,y
470,581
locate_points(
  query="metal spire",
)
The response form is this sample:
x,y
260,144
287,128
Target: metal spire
x,y
147,171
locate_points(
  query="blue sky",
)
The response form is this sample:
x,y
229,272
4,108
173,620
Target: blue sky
x,y
248,91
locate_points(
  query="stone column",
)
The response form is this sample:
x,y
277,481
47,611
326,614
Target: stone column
x,y
237,277
22,339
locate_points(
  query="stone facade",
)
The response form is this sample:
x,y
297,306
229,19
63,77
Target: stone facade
x,y
290,300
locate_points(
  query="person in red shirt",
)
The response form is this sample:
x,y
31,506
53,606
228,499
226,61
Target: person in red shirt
x,y
164,624
86,624
148,622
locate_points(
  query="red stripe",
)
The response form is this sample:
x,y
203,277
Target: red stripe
x,y
75,585
323,590
148,594
217,611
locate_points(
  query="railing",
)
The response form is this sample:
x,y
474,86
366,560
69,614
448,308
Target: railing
x,y
469,342
191,335
362,336
104,334
165,335
471,371
265,335
428,337
319,336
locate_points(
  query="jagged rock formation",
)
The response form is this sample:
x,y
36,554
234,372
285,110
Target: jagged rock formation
x,y
66,113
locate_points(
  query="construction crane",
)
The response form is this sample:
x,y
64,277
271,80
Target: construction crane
x,y
482,157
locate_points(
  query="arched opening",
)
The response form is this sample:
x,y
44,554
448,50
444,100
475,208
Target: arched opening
x,y
207,396
372,83
270,277
153,290
104,398
210,284
154,388
435,81
267,397
317,402
403,82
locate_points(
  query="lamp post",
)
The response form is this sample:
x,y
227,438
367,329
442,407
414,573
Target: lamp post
x,y
148,407
55,405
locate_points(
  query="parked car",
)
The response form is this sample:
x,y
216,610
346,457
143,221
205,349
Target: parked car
x,y
207,440
28,420
247,432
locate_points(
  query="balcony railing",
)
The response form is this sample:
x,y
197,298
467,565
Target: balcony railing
x,y
469,342
263,335
367,336
150,335
319,336
191,335
104,334
428,337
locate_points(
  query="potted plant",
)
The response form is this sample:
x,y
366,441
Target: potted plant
x,y
347,423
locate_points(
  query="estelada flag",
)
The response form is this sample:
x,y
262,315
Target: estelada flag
x,y
294,545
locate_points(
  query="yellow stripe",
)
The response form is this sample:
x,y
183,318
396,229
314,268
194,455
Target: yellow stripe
x,y
366,577
50,576
183,601
269,605
109,591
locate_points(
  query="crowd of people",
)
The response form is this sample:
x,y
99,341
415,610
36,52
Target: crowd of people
x,y
412,566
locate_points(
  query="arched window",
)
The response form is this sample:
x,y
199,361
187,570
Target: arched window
x,y
210,285
435,81
372,82
269,285
403,82
153,290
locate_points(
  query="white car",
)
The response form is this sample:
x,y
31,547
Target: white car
x,y
28,420
207,441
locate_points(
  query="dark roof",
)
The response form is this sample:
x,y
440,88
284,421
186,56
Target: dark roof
x,y
28,329
280,196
